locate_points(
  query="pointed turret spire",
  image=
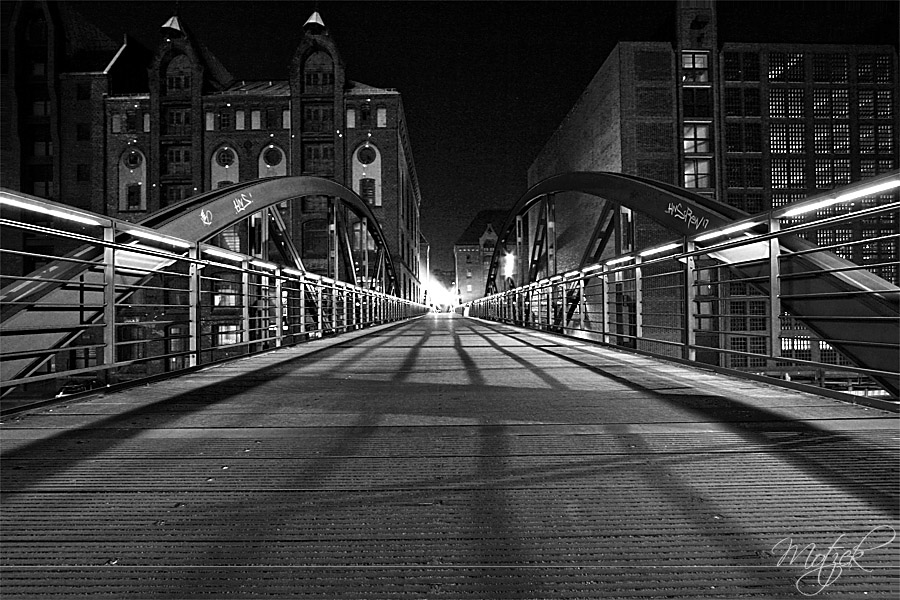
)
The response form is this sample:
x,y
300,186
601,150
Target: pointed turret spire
x,y
315,20
172,27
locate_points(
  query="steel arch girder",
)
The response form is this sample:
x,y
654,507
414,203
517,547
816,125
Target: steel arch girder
x,y
201,217
683,212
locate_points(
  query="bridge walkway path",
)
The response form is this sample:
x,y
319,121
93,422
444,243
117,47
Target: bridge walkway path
x,y
450,458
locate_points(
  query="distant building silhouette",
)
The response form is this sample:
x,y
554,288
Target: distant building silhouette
x,y
472,253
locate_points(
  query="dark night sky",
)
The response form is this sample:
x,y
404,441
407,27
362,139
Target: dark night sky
x,y
484,84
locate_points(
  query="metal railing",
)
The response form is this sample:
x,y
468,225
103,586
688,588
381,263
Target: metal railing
x,y
90,301
723,303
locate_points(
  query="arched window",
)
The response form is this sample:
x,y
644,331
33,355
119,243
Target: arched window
x,y
178,76
224,167
272,162
132,169
318,74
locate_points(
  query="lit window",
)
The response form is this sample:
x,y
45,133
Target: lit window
x,y
788,173
227,335
255,119
695,66
351,118
381,117
696,138
239,120
210,121
697,173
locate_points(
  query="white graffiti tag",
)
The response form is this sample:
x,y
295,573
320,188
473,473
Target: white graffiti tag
x,y
242,202
687,215
206,217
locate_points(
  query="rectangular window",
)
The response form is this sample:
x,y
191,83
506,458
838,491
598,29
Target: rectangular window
x,y
210,121
381,117
133,200
830,68
867,139
255,119
226,120
351,118
697,102
227,335
884,139
40,108
788,173
286,119
116,126
178,160
227,292
239,120
146,122
272,119
178,121
866,104
884,104
695,66
787,138
698,173
367,190
785,67
697,138
883,68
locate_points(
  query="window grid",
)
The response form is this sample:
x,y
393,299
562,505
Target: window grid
x,y
697,138
697,173
788,173
695,66
786,67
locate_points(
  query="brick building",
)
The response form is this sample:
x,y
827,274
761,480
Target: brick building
x,y
754,124
113,128
472,253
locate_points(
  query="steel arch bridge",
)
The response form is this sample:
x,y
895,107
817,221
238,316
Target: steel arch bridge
x,y
202,217
850,308
97,281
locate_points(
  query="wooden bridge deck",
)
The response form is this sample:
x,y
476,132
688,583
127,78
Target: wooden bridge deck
x,y
450,458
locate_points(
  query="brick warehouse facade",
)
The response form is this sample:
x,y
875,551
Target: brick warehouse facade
x,y
116,129
755,125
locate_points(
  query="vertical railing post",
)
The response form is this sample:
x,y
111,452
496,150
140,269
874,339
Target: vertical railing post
x,y
604,297
109,303
638,301
320,311
774,290
564,304
302,283
689,335
581,303
245,309
279,310
194,312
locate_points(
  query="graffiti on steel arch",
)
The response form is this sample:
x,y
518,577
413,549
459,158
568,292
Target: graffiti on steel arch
x,y
203,216
674,208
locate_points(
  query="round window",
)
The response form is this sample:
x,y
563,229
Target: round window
x,y
366,155
225,157
132,159
272,156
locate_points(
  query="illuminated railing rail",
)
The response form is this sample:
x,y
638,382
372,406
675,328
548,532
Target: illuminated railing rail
x,y
90,301
734,298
